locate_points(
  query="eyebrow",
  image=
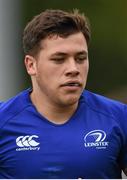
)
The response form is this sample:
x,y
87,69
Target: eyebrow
x,y
59,54
65,54
82,53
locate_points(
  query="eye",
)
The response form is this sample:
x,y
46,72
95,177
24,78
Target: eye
x,y
58,60
81,59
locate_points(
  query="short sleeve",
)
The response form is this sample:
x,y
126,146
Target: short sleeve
x,y
123,123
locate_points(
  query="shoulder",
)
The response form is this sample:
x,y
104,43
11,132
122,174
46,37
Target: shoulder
x,y
104,105
1,102
13,106
113,111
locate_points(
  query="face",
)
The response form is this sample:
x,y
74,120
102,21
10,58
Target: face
x,y
59,72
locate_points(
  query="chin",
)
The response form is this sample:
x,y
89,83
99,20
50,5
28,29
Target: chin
x,y
71,101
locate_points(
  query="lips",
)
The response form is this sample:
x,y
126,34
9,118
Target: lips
x,y
72,84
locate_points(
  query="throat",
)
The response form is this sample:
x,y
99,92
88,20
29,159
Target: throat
x,y
55,114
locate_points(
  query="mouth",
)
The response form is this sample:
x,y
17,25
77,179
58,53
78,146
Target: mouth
x,y
72,84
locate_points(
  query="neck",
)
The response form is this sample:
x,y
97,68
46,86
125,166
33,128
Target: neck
x,y
52,111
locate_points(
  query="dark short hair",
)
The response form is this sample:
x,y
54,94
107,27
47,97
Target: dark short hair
x,y
53,22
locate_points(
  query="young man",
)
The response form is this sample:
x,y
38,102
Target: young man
x,y
57,129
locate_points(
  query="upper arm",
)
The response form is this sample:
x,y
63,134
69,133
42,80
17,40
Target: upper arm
x,y
124,147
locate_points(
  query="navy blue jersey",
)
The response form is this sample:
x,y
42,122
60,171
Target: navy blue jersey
x,y
91,144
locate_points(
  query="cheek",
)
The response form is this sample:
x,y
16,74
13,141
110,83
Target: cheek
x,y
85,68
43,75
47,75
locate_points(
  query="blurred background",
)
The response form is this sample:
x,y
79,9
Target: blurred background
x,y
107,51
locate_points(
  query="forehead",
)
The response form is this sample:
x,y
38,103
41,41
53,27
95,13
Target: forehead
x,y
71,43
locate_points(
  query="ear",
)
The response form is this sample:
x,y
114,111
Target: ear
x,y
30,63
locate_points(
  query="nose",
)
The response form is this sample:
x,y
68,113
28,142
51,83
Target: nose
x,y
72,68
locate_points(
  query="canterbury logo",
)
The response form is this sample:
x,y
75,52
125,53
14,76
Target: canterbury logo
x,y
27,141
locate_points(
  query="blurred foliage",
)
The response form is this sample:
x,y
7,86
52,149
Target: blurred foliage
x,y
107,51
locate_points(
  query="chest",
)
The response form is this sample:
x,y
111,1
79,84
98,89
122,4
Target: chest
x,y
77,149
